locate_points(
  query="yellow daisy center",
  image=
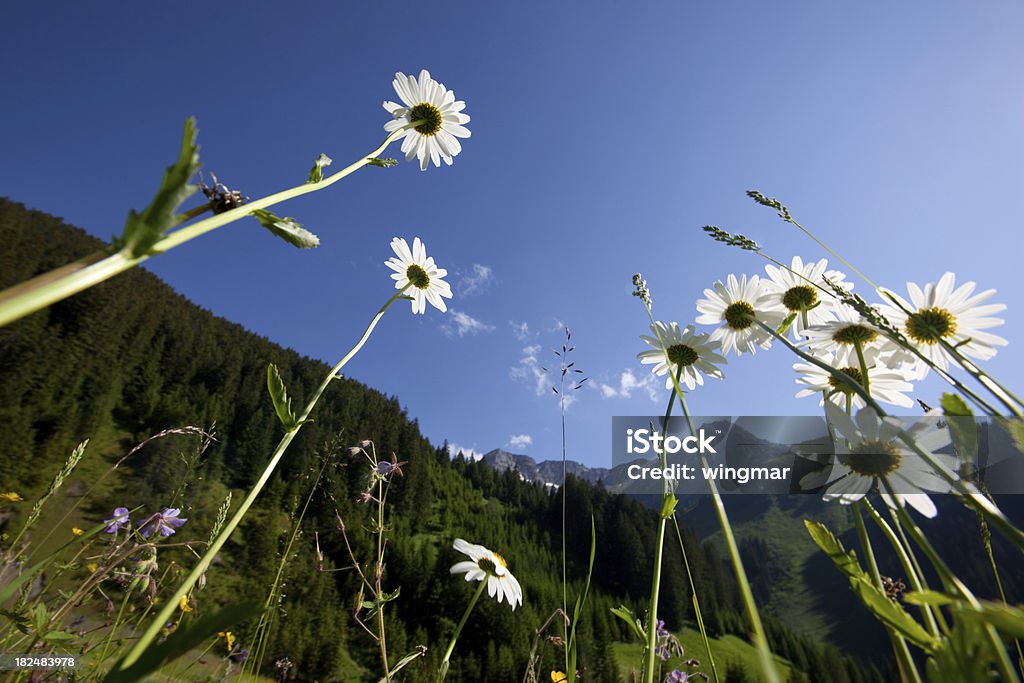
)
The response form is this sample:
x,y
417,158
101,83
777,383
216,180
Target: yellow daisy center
x,y
681,355
800,298
739,316
872,459
929,325
851,334
417,276
843,386
430,115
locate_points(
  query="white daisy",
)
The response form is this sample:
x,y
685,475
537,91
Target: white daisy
x,y
875,451
884,384
840,336
940,312
733,305
428,101
802,290
685,349
415,268
484,564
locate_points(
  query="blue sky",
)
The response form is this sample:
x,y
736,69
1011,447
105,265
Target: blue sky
x,y
604,137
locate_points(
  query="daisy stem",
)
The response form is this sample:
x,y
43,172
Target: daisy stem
x,y
906,662
764,652
443,671
910,565
676,390
56,285
652,612
863,365
167,611
696,601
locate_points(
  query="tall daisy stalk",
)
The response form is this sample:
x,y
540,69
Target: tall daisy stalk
x,y
415,273
686,356
430,123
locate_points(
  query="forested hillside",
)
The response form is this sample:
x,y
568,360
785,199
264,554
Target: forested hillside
x,y
129,358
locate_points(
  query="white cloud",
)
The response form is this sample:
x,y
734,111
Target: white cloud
x,y
557,325
475,283
628,385
520,330
520,441
461,324
454,449
530,371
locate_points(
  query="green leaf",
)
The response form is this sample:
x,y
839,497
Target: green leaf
x,y
182,640
954,405
288,229
884,609
933,598
624,613
846,562
54,636
40,619
316,174
382,162
143,230
420,651
891,614
279,396
962,426
668,506
580,601
1009,620
785,325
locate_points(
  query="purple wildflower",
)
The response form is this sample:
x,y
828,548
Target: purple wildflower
x,y
117,522
677,676
164,523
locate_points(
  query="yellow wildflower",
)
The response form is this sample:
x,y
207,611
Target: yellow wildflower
x,y
229,639
76,531
11,497
92,567
558,677
183,604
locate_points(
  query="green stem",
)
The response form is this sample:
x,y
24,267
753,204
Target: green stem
x,y
829,250
764,652
652,616
44,290
443,671
910,566
204,562
906,661
696,601
985,380
863,365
